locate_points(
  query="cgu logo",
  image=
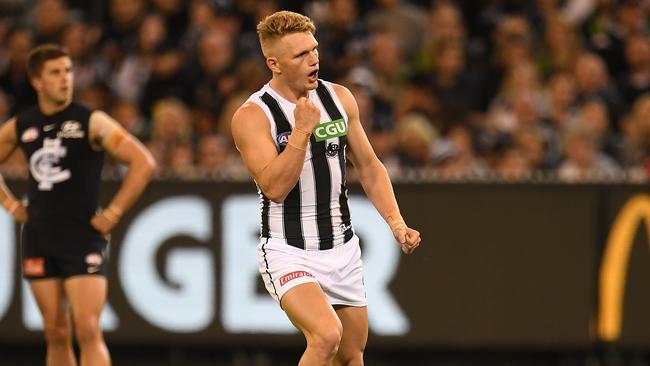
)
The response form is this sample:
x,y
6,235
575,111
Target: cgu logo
x,y
613,270
330,130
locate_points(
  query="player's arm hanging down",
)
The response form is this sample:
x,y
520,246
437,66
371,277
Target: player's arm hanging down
x,y
8,143
108,134
373,175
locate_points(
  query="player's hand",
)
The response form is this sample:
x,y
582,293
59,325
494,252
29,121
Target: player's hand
x,y
307,115
408,239
102,224
20,214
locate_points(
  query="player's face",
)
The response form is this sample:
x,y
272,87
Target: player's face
x,y
299,60
55,81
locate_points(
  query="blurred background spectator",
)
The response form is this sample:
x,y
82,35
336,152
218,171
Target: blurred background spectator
x,y
501,89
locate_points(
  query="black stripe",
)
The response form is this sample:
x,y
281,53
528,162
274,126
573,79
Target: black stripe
x,y
266,263
265,232
323,186
291,205
335,113
281,123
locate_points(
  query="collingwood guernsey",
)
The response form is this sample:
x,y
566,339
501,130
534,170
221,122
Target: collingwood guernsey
x,y
315,214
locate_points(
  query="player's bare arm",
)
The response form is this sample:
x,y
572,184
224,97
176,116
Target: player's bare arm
x,y
108,134
8,144
373,175
276,174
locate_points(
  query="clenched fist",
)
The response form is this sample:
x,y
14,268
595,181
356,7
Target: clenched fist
x,y
307,115
408,239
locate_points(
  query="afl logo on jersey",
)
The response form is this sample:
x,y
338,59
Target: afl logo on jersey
x,y
29,135
282,139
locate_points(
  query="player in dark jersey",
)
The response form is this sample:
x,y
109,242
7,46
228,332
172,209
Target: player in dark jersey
x,y
280,151
64,246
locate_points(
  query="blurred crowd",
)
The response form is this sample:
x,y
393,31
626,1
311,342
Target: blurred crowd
x,y
499,89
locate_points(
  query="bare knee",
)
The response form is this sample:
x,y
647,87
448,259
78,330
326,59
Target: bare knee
x,y
353,358
87,329
57,335
325,342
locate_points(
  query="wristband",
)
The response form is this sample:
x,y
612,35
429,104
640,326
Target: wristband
x,y
395,221
306,133
8,202
112,214
13,207
296,146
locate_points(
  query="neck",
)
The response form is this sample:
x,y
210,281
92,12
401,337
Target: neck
x,y
48,107
286,91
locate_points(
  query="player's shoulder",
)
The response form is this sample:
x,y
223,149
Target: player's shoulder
x,y
80,112
343,93
8,124
31,113
79,107
249,117
249,111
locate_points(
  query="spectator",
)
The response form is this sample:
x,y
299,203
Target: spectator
x,y
13,79
636,80
582,160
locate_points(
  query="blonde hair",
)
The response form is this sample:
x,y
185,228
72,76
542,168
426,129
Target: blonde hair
x,y
282,23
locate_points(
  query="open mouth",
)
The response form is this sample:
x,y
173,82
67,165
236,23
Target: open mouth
x,y
313,75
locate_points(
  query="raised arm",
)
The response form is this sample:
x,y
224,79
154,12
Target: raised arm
x,y
106,133
8,143
276,174
373,175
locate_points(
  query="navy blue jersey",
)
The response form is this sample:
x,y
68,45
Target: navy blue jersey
x,y
64,170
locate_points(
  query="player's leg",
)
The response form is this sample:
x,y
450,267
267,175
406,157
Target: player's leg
x,y
355,335
309,310
87,296
55,310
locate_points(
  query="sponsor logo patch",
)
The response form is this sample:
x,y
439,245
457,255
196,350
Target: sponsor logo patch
x,y
331,129
94,261
293,275
283,138
29,135
34,267
71,130
49,127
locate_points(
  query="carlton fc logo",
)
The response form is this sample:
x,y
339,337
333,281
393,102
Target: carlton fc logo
x,y
70,130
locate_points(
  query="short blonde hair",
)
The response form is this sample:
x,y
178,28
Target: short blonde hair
x,y
282,23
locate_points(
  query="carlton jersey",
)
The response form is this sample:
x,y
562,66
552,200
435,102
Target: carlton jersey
x,y
64,170
315,214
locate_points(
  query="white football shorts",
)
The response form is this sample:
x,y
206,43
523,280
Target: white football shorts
x,y
338,271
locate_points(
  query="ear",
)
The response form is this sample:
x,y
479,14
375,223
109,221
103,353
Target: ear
x,y
273,64
36,83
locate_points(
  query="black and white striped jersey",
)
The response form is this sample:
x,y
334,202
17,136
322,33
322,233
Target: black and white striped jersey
x,y
315,215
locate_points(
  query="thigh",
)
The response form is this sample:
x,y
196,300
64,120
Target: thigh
x,y
284,267
51,300
86,294
83,254
355,331
308,309
37,262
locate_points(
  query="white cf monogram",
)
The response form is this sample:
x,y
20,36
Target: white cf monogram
x,y
42,164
